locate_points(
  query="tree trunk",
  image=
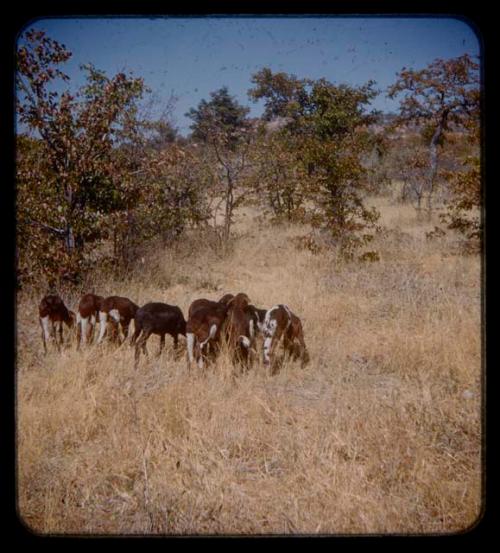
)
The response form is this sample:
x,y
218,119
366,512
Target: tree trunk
x,y
404,191
70,239
433,158
115,243
128,251
229,207
289,204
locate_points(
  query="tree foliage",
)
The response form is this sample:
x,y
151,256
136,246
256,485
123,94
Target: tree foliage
x,y
446,91
98,180
222,120
283,93
463,208
443,93
278,178
222,125
327,125
464,211
167,196
77,135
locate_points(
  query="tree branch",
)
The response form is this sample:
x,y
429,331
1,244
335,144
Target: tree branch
x,y
58,231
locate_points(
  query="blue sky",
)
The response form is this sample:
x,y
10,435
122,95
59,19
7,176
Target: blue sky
x,y
190,57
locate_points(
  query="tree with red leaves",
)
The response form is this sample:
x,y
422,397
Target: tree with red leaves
x,y
72,183
445,92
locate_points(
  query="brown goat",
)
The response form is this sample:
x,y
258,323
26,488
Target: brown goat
x,y
198,304
226,298
157,318
239,327
86,317
203,329
52,314
116,310
202,302
281,322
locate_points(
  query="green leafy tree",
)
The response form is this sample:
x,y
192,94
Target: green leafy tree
x,y
160,134
445,92
220,121
222,125
277,178
77,136
284,94
327,124
463,207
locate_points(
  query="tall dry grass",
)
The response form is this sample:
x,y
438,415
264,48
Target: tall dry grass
x,y
381,432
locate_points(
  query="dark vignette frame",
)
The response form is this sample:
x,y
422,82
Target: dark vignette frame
x,y
478,16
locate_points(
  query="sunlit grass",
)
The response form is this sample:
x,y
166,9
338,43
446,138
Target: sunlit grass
x,y
379,433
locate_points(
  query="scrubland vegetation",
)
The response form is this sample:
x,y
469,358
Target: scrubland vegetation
x,y
368,227
381,432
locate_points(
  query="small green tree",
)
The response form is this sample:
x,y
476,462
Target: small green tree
x,y
176,184
327,124
221,121
277,179
221,124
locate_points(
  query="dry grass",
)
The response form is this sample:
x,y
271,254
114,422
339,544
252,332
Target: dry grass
x,y
380,433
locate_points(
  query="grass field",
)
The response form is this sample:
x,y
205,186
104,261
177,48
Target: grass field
x,y
381,432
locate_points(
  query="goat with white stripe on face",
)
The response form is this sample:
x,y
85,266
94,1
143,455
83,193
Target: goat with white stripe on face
x,y
281,322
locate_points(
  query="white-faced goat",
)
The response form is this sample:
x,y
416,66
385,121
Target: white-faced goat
x,y
157,318
117,311
258,316
86,317
281,322
52,314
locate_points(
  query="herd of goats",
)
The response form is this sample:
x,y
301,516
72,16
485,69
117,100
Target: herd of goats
x,y
232,320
